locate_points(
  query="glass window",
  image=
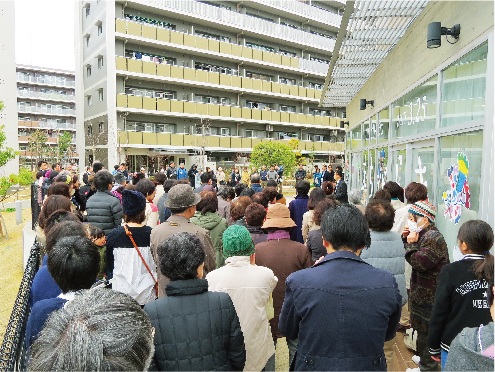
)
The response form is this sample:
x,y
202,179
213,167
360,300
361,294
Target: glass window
x,y
459,180
422,171
356,165
383,125
364,174
348,140
416,112
464,87
372,171
399,164
373,130
356,138
366,132
381,167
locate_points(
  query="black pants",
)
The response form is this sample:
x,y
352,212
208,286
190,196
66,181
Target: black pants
x,y
426,363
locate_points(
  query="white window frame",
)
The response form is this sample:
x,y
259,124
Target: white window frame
x,y
89,100
100,94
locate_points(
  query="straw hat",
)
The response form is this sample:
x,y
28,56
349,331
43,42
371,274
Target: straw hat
x,y
278,215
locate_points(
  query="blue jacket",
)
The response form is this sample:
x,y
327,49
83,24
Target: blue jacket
x,y
256,187
263,174
38,316
343,310
297,208
181,173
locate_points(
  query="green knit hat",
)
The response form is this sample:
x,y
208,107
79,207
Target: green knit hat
x,y
237,242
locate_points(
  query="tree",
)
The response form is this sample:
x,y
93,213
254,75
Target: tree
x,y
65,147
37,146
271,153
7,153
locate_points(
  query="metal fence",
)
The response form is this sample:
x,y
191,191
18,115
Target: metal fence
x,y
11,351
35,207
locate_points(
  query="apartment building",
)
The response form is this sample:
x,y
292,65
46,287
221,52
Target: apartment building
x,y
45,102
162,80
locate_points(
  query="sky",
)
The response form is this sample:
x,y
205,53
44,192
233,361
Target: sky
x,y
44,33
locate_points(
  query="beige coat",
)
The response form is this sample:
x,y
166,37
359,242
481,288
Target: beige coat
x,y
173,225
308,224
249,287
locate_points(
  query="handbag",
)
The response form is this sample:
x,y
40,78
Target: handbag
x,y
129,234
411,339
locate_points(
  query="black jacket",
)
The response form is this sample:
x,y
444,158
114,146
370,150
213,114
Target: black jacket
x,y
196,330
341,192
460,302
104,210
300,174
328,176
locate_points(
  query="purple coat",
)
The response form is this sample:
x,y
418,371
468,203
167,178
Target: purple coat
x,y
297,208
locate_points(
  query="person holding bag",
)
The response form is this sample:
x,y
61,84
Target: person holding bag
x,y
130,264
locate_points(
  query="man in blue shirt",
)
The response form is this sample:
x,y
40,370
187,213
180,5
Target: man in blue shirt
x,y
182,172
263,176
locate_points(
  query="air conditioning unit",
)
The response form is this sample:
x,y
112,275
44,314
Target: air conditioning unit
x,y
269,128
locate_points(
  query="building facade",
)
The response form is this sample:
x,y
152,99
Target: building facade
x,y
45,104
162,81
432,120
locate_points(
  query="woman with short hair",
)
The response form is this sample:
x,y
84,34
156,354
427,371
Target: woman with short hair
x,y
316,196
196,330
315,241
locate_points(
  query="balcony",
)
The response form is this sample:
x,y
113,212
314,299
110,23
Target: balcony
x,y
45,81
25,93
215,80
205,46
46,125
304,12
212,143
46,110
169,107
238,21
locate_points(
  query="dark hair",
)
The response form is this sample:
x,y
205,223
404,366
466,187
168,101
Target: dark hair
x,y
478,236
59,188
260,198
247,192
302,187
97,166
137,177
74,263
167,185
226,192
41,162
182,181
54,165
74,178
160,177
102,179
239,187
271,183
315,196
344,226
205,177
59,216
271,193
116,167
136,218
382,195
321,208
255,214
380,215
338,172
39,174
180,256
52,204
255,178
208,202
415,192
53,174
395,190
327,186
145,187
95,232
238,207
64,229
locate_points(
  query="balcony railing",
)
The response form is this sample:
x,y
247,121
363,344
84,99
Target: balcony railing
x,y
44,80
46,125
46,110
53,96
244,22
305,10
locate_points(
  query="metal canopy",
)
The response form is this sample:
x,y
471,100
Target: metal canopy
x,y
373,29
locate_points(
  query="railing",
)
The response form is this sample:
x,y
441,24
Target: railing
x,y
46,110
43,80
244,22
305,10
53,96
313,66
11,350
43,124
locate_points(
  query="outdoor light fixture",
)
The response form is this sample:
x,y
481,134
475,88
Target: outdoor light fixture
x,y
342,123
363,103
435,32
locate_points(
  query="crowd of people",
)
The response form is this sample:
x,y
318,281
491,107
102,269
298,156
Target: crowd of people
x,y
162,273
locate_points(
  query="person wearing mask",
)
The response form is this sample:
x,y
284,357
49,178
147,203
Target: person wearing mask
x,y
181,172
460,298
249,286
172,172
340,188
426,252
263,176
196,329
283,256
342,309
182,203
207,218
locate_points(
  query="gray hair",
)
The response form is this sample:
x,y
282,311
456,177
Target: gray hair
x,y
355,196
100,330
